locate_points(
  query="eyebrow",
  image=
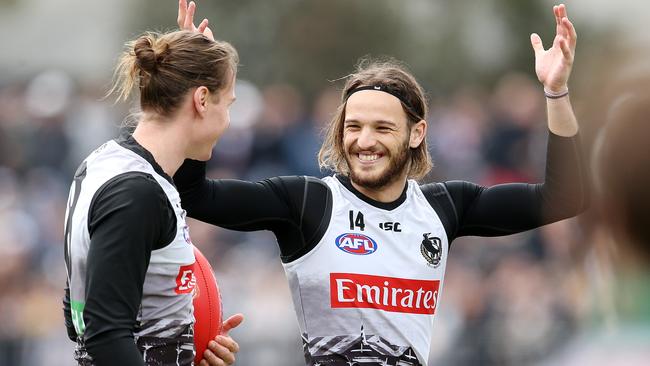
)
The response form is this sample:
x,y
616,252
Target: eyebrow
x,y
388,123
378,122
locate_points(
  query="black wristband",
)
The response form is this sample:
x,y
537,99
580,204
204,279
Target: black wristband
x,y
553,95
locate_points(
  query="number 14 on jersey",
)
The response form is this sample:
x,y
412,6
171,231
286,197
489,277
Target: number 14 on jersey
x,y
356,221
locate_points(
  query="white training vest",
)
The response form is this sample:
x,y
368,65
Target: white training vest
x,y
166,306
368,292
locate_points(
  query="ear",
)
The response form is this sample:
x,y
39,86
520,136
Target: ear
x,y
200,98
418,132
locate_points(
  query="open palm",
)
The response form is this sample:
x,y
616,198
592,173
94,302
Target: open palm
x,y
553,66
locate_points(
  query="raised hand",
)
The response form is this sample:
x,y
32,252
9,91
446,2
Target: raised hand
x,y
553,66
221,351
185,19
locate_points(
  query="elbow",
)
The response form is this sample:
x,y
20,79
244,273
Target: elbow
x,y
583,200
566,205
572,207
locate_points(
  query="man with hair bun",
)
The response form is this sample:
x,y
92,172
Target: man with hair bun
x,y
126,239
365,250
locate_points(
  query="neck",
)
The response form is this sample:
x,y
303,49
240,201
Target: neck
x,y
387,193
164,141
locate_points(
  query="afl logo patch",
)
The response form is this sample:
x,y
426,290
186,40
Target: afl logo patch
x,y
358,244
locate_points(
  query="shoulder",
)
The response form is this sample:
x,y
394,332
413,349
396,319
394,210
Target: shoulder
x,y
448,199
296,183
134,192
458,190
307,196
140,185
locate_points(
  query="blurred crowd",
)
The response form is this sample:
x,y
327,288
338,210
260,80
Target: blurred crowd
x,y
514,300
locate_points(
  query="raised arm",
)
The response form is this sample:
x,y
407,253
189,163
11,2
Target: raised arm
x,y
515,207
511,208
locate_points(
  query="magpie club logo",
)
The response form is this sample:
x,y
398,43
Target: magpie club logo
x,y
431,249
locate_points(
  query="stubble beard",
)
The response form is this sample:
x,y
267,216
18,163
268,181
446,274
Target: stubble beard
x,y
396,166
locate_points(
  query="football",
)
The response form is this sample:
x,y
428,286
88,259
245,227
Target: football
x,y
207,305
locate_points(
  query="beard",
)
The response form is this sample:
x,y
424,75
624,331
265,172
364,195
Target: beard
x,y
396,165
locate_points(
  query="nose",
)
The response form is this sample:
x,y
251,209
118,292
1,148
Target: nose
x,y
366,138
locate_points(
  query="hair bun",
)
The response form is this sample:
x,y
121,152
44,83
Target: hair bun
x,y
145,55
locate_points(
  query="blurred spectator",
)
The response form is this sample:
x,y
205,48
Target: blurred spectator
x,y
302,140
517,109
47,99
235,148
283,110
457,132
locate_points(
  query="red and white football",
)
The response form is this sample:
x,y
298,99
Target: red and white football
x,y
207,305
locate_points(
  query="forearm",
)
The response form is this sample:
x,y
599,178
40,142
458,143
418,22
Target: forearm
x,y
230,203
564,192
235,204
561,119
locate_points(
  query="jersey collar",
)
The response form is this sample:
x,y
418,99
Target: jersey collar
x,y
127,141
345,180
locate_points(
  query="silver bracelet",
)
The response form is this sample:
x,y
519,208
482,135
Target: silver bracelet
x,y
553,95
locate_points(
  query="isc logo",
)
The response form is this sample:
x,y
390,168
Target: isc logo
x,y
356,244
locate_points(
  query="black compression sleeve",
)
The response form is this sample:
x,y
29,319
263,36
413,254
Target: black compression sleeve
x,y
129,216
67,315
116,351
276,204
229,203
510,208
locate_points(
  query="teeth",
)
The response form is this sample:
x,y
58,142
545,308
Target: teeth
x,y
372,157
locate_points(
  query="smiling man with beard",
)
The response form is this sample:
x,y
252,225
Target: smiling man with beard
x,y
365,250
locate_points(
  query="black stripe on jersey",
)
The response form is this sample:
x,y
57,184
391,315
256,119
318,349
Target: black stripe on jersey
x,y
439,198
314,218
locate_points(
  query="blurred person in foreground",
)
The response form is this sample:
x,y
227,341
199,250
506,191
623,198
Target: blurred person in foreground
x,y
622,176
365,250
127,245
